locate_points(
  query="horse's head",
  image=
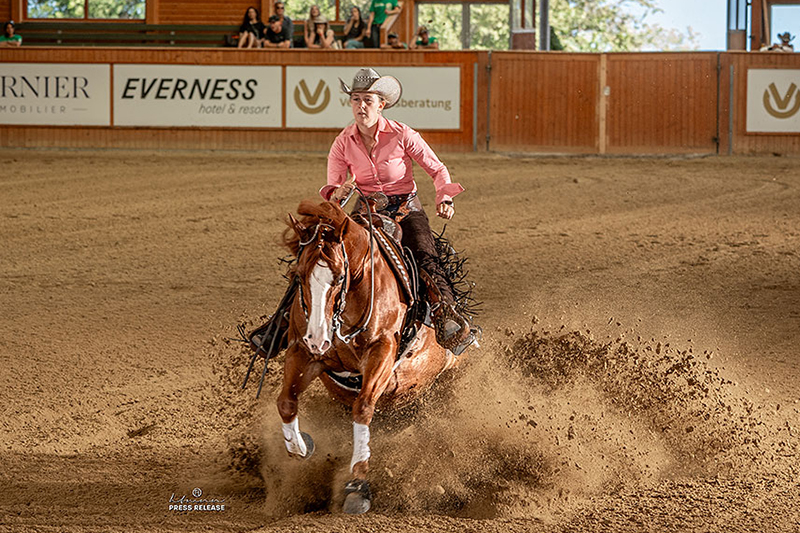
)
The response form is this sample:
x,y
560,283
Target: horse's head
x,y
322,268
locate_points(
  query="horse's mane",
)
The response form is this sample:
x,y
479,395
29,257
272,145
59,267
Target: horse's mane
x,y
311,213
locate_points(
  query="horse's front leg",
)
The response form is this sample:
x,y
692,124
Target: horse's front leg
x,y
298,373
376,377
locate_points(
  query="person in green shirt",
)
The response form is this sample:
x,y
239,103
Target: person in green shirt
x,y
378,11
10,38
424,40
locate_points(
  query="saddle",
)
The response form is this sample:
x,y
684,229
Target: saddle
x,y
415,287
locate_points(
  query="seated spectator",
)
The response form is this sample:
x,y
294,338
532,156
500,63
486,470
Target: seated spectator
x,y
379,11
251,30
274,37
288,26
308,33
10,38
323,35
424,40
394,43
355,31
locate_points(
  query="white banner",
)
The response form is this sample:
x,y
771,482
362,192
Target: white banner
x,y
431,97
773,100
197,95
55,94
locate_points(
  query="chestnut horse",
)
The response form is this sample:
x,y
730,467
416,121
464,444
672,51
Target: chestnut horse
x,y
346,322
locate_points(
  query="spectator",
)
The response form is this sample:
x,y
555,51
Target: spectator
x,y
323,35
313,13
785,44
10,38
378,11
424,40
288,26
394,43
355,31
274,37
251,30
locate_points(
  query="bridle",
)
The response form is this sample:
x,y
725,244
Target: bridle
x,y
320,230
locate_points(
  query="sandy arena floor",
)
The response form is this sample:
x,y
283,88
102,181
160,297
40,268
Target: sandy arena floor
x,y
639,370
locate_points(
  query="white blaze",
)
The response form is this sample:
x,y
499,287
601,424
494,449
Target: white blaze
x,y
318,332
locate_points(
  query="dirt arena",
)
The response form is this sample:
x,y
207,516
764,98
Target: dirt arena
x,y
639,368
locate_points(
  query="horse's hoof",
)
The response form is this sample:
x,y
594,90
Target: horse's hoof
x,y
309,447
358,497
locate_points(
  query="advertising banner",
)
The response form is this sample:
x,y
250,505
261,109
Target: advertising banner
x,y
431,97
55,94
773,101
197,95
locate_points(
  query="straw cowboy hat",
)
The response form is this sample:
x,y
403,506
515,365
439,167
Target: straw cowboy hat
x,y
367,80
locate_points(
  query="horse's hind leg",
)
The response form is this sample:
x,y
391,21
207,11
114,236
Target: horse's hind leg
x,y
376,377
298,373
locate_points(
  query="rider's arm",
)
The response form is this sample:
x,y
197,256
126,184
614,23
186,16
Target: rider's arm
x,y
419,151
337,167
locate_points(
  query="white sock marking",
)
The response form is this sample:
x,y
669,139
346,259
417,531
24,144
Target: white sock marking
x,y
292,438
360,444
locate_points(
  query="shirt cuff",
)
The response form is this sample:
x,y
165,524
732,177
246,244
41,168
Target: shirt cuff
x,y
327,191
448,192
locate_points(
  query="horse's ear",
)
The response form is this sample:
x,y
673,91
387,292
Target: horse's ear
x,y
296,226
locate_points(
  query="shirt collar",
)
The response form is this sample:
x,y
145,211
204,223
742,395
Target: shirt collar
x,y
383,126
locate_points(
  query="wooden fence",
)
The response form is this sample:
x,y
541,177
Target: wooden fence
x,y
654,103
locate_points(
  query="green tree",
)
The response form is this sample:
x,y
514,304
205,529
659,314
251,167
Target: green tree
x,y
443,22
75,9
489,27
614,26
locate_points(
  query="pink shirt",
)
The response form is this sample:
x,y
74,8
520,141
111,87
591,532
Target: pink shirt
x,y
388,170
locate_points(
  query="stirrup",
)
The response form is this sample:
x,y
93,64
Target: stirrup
x,y
452,330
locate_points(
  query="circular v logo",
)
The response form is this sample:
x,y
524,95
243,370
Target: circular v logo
x,y
782,102
310,105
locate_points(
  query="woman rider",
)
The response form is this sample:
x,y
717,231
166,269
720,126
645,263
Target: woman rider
x,y
377,153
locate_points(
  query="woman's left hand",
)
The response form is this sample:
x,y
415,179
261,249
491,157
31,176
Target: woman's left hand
x,y
445,210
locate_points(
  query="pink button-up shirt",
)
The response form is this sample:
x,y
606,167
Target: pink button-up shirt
x,y
388,169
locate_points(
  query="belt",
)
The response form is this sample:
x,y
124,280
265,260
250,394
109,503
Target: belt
x,y
398,207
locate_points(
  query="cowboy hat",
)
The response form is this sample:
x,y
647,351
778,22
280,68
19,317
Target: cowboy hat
x,y
786,37
367,80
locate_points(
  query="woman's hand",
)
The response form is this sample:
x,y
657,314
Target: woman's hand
x,y
446,210
342,192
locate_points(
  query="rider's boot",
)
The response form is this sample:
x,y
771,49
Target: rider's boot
x,y
453,330
269,339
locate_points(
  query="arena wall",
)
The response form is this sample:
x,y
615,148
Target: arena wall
x,y
654,103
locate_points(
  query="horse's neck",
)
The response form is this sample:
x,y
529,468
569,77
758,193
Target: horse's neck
x,y
362,279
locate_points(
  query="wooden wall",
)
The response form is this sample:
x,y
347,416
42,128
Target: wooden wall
x,y
665,100
239,138
544,102
528,102
742,142
204,11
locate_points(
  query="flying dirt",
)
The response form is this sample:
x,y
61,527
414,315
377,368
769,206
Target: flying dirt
x,y
638,370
